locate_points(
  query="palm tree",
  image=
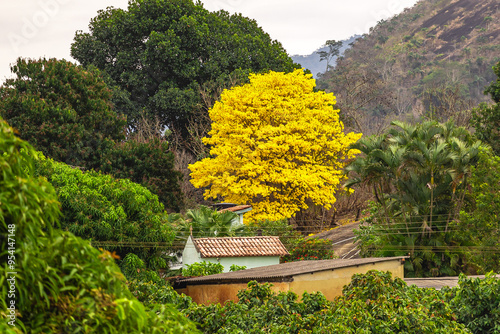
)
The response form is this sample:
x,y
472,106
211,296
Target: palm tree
x,y
205,222
418,174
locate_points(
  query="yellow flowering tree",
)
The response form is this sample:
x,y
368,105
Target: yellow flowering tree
x,y
275,144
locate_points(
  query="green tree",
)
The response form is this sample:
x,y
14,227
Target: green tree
x,y
62,284
149,163
205,222
66,112
173,48
62,110
486,118
479,223
115,214
333,51
419,174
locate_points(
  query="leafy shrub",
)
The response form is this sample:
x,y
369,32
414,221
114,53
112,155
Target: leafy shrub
x,y
63,284
154,290
202,269
310,249
116,214
376,303
259,310
235,267
476,303
131,265
372,303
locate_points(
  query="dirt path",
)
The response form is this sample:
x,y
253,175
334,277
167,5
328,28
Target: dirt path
x,y
342,238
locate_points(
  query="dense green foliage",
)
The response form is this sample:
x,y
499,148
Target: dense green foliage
x,y
155,290
479,223
204,222
476,303
372,303
66,112
419,175
309,249
116,214
235,267
175,50
202,269
61,109
62,283
486,118
149,163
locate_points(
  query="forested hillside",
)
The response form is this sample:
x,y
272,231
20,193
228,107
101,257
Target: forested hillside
x,y
315,64
433,59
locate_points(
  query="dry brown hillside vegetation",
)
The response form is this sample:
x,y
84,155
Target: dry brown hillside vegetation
x,y
433,60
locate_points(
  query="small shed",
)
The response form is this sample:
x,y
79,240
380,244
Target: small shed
x,y
243,251
326,276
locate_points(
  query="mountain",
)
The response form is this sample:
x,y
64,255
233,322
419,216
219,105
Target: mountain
x,y
312,62
433,60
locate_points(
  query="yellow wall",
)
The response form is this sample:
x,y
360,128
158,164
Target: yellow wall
x,y
329,282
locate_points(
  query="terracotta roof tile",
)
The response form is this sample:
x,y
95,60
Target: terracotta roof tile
x,y
240,246
236,208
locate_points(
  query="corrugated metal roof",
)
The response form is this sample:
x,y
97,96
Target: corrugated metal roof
x,y
240,246
438,282
285,270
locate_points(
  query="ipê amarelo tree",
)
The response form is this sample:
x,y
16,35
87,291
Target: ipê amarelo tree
x,y
275,144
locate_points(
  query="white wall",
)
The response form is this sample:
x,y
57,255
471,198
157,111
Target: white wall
x,y
249,262
190,255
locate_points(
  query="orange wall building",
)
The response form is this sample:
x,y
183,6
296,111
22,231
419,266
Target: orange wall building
x,y
326,276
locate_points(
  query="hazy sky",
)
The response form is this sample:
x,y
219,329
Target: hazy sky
x,y
45,28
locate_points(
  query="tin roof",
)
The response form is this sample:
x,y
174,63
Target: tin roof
x,y
240,246
285,271
439,282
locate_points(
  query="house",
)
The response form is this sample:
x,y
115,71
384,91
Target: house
x,y
326,276
239,210
243,251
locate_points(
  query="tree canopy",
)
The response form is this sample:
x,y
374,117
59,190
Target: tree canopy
x,y
150,163
161,52
481,221
59,283
61,109
419,175
66,112
276,144
486,118
115,214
